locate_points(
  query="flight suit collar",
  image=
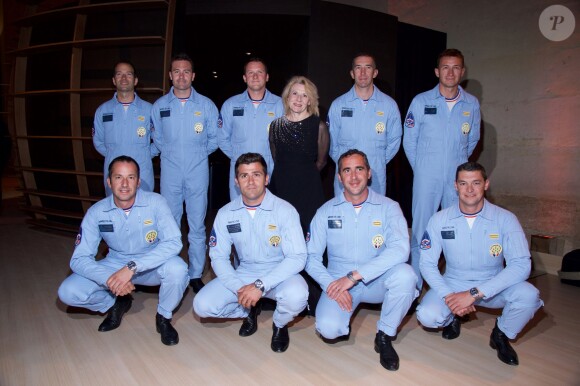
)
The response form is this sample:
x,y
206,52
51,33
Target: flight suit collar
x,y
486,212
139,201
192,96
267,202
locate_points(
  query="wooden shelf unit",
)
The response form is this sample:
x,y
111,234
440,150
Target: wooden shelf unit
x,y
30,94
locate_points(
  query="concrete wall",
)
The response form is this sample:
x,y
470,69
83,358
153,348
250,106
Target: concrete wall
x,y
529,89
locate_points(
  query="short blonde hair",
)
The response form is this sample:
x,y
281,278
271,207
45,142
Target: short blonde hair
x,y
310,89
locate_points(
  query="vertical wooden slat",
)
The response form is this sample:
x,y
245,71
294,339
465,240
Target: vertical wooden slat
x,y
75,106
20,66
168,44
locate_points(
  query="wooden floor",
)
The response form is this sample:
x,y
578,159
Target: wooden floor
x,y
44,343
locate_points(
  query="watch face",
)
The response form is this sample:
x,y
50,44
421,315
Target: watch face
x,y
474,292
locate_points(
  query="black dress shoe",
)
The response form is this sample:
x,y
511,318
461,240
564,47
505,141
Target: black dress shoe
x,y
250,324
115,313
196,284
388,355
452,330
413,307
338,339
169,335
500,342
280,338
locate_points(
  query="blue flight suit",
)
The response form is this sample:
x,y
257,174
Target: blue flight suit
x,y
148,236
186,135
436,141
376,244
119,132
373,128
270,247
244,128
475,258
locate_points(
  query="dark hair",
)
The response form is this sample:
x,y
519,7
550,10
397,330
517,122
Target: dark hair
x,y
451,52
351,152
471,167
250,158
182,56
255,59
363,54
124,62
124,158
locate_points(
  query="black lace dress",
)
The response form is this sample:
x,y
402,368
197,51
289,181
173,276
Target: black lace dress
x,y
296,178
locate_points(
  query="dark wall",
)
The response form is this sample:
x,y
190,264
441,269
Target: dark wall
x,y
314,38
417,51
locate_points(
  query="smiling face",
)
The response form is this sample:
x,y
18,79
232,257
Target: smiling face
x,y
124,78
124,182
354,175
298,100
181,75
450,71
256,76
364,71
252,181
471,187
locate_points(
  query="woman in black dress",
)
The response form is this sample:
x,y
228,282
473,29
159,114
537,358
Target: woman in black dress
x,y
299,142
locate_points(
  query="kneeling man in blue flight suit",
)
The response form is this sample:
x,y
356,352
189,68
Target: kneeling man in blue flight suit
x,y
266,233
367,241
477,238
144,242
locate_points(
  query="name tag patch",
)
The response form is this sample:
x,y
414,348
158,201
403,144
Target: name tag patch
x,y
107,117
430,110
448,235
238,112
346,113
165,113
106,228
334,224
234,228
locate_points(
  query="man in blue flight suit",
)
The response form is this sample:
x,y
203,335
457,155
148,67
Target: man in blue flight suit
x,y
477,238
245,119
122,126
144,242
186,134
366,237
441,131
366,119
270,244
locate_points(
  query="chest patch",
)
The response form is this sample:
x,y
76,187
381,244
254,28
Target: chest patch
x,y
448,235
106,228
346,113
334,224
234,228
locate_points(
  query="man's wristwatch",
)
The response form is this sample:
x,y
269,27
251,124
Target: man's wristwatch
x,y
259,285
132,266
351,278
475,293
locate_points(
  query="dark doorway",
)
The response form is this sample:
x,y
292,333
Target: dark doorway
x,y
220,45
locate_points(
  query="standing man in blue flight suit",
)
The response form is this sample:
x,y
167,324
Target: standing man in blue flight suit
x,y
441,131
122,126
270,244
144,242
366,237
366,119
477,238
245,119
186,133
